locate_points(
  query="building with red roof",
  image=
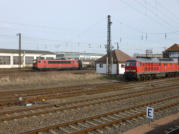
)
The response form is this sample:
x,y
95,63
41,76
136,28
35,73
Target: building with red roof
x,y
172,52
118,66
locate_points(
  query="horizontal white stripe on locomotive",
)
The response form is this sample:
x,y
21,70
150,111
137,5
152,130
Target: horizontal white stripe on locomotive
x,y
158,72
55,67
130,70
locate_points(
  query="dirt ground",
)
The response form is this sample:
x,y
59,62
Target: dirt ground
x,y
157,127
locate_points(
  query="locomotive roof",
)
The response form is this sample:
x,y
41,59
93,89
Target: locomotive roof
x,y
56,59
155,60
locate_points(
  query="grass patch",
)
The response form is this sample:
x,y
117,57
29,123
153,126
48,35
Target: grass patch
x,y
48,78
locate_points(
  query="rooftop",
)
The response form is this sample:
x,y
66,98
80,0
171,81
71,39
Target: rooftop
x,y
174,47
79,53
118,56
26,51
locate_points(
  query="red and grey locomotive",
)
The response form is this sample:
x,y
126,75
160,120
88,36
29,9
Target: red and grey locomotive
x,y
150,68
43,64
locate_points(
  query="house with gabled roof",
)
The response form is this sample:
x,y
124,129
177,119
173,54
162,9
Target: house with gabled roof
x,y
172,52
118,66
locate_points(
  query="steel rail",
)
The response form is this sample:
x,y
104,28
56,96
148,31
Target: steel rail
x,y
56,95
53,90
104,115
123,119
74,107
134,94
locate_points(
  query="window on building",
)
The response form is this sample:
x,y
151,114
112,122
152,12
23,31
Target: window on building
x,y
4,60
173,54
29,59
122,66
16,60
49,58
101,65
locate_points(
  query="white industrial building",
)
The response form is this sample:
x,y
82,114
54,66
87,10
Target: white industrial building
x,y
118,66
88,59
79,55
9,58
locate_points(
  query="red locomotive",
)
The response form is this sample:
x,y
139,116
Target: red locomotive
x,y
149,68
42,64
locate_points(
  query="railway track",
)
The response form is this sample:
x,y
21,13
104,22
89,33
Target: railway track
x,y
103,121
36,95
174,130
91,104
79,104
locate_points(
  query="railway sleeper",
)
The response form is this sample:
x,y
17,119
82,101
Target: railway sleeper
x,y
64,130
100,131
116,125
74,127
117,115
112,117
129,121
83,125
91,123
106,119
52,131
98,120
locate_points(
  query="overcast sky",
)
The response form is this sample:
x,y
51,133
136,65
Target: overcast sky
x,y
81,25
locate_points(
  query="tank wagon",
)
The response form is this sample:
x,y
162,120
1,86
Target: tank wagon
x,y
42,64
149,68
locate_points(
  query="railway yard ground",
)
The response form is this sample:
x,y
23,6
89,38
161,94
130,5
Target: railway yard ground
x,y
81,101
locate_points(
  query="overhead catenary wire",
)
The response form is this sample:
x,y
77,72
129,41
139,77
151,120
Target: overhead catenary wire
x,y
152,11
153,18
169,11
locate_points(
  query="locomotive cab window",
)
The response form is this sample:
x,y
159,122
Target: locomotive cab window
x,y
133,64
127,64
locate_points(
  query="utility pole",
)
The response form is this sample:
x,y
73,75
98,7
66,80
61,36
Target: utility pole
x,y
109,54
117,45
19,35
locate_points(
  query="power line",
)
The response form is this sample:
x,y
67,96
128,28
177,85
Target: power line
x,y
140,12
153,9
169,11
154,13
137,30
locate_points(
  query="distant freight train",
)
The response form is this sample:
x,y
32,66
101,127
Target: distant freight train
x,y
42,64
145,69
